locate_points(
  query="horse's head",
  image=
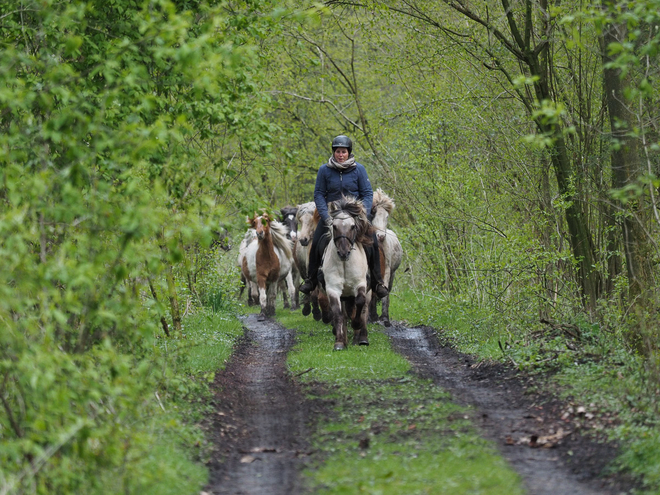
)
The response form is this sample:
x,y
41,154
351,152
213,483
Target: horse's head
x,y
349,225
381,208
260,223
289,220
305,219
344,235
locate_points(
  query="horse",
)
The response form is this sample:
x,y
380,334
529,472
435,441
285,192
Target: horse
x,y
253,292
268,261
345,270
308,219
288,219
391,251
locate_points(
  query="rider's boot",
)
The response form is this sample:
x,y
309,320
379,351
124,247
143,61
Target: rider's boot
x,y
307,286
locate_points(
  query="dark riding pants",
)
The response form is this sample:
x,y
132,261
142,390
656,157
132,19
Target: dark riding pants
x,y
320,242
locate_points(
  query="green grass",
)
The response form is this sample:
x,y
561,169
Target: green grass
x,y
387,432
174,463
596,371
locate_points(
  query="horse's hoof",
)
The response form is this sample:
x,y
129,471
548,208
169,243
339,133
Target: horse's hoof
x,y
317,315
387,323
262,317
339,346
307,309
326,319
364,341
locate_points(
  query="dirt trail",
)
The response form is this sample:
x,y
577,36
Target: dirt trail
x,y
260,421
511,418
260,424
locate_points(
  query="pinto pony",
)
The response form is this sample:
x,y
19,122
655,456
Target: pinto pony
x,y
345,269
268,261
252,290
288,219
391,251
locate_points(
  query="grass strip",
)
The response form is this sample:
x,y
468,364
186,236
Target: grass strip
x,y
385,431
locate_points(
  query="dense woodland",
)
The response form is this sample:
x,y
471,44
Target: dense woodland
x,y
518,138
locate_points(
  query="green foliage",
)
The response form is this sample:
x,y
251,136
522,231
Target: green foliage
x,y
119,124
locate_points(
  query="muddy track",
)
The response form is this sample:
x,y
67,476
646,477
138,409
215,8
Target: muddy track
x,y
530,430
261,418
259,427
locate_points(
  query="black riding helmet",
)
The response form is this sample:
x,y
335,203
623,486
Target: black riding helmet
x,y
342,142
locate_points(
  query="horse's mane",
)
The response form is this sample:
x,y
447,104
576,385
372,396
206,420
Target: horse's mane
x,y
305,208
278,232
354,208
382,200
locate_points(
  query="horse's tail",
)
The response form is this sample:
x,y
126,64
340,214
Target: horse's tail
x,y
278,232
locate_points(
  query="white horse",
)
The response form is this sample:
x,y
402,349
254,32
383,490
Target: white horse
x,y
307,219
391,251
268,261
345,270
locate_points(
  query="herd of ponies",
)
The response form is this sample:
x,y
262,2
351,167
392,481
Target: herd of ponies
x,y
274,256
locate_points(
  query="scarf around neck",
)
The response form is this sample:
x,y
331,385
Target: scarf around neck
x,y
342,167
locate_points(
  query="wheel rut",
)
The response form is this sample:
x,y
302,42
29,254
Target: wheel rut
x,y
514,420
259,425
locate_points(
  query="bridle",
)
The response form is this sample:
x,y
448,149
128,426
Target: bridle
x,y
350,240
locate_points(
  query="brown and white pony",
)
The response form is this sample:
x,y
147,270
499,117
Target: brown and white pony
x,y
268,261
308,219
345,270
391,251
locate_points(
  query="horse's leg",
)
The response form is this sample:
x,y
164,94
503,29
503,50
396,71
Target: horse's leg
x,y
385,310
326,314
263,298
293,293
253,294
283,287
306,304
316,312
271,297
360,318
337,321
364,332
373,310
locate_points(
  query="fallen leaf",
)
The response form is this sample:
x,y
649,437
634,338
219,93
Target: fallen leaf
x,y
247,459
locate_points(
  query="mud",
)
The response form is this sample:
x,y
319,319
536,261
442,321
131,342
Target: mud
x,y
262,419
531,430
259,427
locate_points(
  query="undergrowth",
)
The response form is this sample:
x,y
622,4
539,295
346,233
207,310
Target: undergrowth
x,y
611,392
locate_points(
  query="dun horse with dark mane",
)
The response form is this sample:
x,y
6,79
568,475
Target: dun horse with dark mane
x,y
345,270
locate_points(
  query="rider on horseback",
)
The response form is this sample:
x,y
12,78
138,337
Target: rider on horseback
x,y
341,176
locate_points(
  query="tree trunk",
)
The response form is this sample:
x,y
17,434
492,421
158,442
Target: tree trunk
x,y
626,168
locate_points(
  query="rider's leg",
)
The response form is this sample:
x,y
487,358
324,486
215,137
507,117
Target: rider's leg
x,y
373,258
315,256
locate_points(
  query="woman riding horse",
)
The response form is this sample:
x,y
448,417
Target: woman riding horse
x,y
341,176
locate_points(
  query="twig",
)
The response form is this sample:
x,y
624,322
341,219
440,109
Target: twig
x,y
303,372
159,402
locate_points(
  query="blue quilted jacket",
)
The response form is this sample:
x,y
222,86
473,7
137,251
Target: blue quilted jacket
x,y
331,184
